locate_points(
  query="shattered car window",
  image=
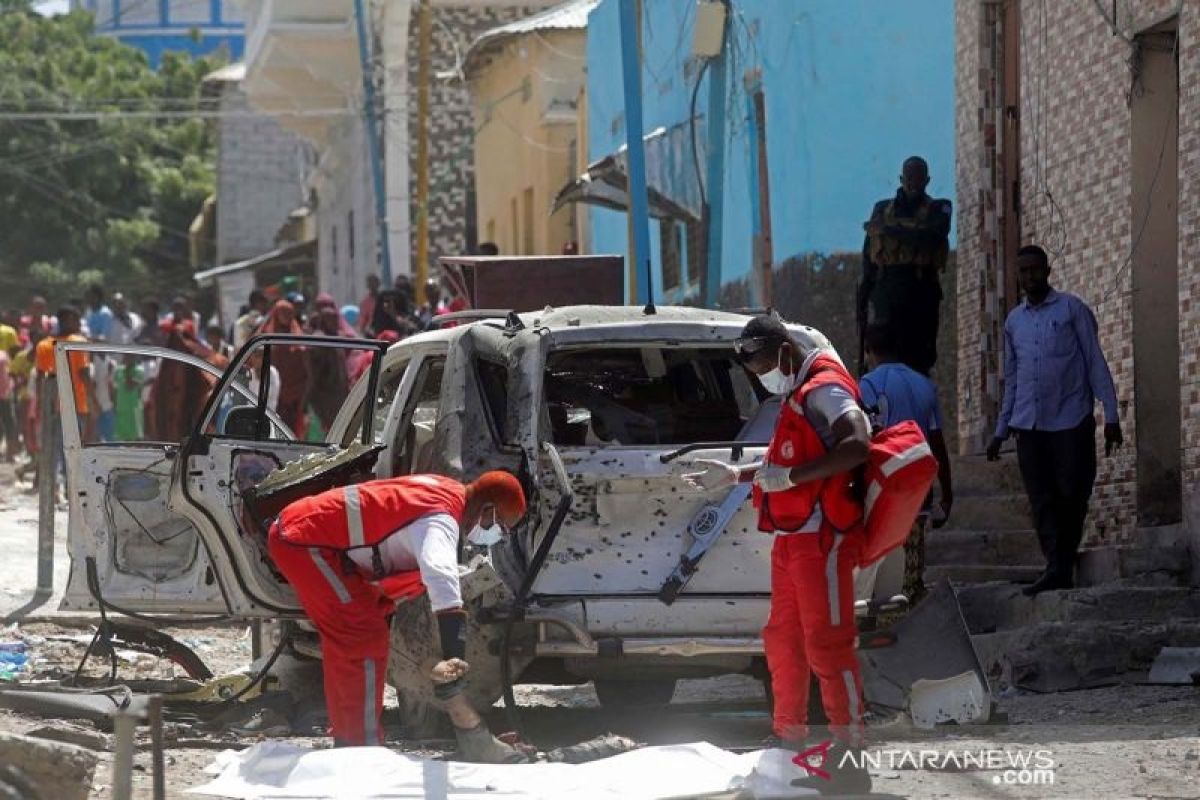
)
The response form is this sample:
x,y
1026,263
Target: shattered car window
x,y
642,396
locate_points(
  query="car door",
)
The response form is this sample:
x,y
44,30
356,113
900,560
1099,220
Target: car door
x,y
194,487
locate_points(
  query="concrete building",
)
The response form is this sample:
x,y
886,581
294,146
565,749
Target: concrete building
x,y
198,27
262,168
526,80
303,65
1077,131
850,88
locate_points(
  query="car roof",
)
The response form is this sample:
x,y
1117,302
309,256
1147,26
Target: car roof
x,y
576,317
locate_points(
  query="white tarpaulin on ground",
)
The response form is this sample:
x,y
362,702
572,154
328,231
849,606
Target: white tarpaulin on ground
x,y
281,770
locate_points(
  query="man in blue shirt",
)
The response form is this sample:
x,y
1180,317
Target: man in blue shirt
x,y
894,392
1054,371
99,317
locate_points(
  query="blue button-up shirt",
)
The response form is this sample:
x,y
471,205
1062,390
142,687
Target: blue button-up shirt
x,y
1054,370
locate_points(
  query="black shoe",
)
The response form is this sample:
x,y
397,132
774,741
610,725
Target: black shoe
x,y
842,773
1049,582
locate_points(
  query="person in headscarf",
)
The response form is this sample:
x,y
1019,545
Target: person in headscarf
x,y
292,364
360,360
179,391
328,393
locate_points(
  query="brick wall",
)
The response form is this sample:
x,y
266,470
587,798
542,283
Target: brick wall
x,y
1076,202
260,173
451,131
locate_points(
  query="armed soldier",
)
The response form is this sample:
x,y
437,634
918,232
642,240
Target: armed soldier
x,y
905,251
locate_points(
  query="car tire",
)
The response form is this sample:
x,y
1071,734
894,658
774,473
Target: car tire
x,y
621,695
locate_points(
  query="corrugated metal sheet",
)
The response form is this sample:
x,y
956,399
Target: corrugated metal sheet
x,y
572,15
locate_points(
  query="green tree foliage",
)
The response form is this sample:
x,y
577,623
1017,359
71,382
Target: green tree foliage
x,y
112,196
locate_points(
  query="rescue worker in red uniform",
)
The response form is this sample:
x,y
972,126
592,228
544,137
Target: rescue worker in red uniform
x,y
803,492
336,547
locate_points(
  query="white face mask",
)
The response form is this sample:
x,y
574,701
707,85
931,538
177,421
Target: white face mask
x,y
775,381
485,537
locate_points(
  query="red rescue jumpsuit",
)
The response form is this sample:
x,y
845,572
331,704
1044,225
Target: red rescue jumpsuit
x,y
819,539
309,543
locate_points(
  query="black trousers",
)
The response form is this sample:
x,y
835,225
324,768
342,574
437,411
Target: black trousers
x,y
908,301
1059,469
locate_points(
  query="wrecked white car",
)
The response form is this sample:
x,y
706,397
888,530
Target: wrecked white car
x,y
621,573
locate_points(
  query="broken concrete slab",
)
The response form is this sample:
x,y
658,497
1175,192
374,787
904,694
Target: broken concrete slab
x,y
993,607
89,740
1176,666
57,771
1050,657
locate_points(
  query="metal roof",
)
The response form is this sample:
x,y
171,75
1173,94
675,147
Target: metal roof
x,y
568,16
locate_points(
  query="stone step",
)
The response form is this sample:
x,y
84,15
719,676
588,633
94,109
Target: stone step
x,y
992,607
983,547
1061,656
998,511
976,475
1155,563
981,573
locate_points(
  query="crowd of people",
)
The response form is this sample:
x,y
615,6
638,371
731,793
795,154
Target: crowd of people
x,y
130,399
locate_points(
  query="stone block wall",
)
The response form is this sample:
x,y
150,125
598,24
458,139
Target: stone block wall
x,y
451,126
260,178
1075,189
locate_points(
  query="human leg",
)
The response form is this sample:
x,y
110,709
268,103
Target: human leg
x,y
823,569
783,641
354,636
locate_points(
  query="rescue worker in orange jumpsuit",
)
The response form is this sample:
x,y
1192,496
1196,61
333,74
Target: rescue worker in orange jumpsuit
x,y
803,492
335,547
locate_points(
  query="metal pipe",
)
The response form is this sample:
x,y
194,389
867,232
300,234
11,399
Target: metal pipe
x,y
641,283
658,646
154,719
47,477
371,117
124,726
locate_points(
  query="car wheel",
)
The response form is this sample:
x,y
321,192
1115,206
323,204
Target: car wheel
x,y
619,695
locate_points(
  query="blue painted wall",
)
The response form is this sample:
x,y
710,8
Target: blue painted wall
x,y
852,88
198,27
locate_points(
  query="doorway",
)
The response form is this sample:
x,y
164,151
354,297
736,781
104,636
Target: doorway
x,y
1154,168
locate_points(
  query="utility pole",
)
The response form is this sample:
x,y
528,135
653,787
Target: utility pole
x,y
765,247
715,174
641,278
372,115
424,70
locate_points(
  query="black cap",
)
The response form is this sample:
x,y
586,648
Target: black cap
x,y
764,332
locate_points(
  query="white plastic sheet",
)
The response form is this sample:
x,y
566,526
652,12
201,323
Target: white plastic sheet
x,y
275,770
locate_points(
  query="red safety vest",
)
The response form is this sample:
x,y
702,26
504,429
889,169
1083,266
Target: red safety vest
x,y
364,514
795,442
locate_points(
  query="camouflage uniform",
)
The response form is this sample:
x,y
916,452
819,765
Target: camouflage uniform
x,y
905,251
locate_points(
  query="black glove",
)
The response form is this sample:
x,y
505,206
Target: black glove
x,y
993,449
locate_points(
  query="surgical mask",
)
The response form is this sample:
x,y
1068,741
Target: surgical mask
x,y
775,381
485,537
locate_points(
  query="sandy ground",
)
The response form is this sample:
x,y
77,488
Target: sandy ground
x,y
1115,742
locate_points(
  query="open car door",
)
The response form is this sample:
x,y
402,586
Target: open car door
x,y
162,450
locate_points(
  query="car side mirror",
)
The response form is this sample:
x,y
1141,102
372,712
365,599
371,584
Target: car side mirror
x,y
247,422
